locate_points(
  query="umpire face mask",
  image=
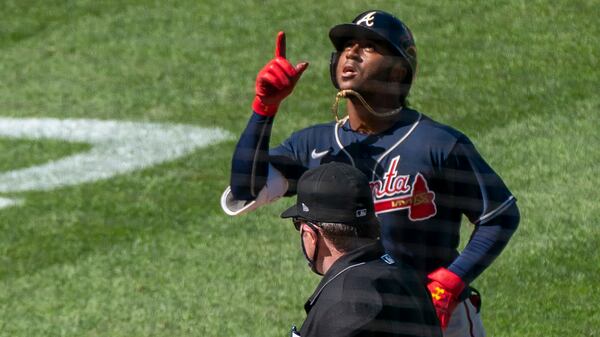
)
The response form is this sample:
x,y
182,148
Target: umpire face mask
x,y
312,260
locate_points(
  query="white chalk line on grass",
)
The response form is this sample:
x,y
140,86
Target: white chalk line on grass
x,y
117,147
6,202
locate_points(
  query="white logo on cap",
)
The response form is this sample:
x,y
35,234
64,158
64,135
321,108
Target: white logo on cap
x,y
304,208
367,19
361,212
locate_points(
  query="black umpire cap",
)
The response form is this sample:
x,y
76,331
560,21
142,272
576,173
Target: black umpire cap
x,y
336,193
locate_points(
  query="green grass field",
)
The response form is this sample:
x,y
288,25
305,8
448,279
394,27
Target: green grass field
x,y
150,253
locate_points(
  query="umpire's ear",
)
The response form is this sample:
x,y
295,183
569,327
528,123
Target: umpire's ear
x,y
309,240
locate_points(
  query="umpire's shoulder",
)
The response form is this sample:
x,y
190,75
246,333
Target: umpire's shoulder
x,y
380,271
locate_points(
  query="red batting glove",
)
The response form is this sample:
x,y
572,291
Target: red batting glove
x,y
445,287
276,80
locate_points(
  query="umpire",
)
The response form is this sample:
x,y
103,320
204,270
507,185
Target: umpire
x,y
363,292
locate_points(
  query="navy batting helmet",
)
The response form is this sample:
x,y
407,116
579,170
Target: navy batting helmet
x,y
376,25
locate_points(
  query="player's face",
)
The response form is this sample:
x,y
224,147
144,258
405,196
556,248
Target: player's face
x,y
365,66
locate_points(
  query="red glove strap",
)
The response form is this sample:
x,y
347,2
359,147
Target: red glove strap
x,y
260,108
448,280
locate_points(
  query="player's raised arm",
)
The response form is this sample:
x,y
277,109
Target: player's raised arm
x,y
253,182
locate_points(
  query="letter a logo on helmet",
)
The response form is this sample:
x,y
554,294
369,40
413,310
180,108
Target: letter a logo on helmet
x,y
367,19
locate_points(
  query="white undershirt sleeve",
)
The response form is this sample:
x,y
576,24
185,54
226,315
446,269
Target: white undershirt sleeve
x,y
274,189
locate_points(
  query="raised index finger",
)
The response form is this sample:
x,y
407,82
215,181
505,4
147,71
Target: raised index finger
x,y
280,45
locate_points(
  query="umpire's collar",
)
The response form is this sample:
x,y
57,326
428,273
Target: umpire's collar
x,y
352,259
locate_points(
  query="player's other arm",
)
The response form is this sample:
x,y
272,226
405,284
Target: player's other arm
x,y
251,173
487,241
482,196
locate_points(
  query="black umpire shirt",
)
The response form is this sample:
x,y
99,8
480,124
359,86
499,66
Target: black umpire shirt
x,y
367,293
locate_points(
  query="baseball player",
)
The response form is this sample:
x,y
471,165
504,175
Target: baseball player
x,y
424,175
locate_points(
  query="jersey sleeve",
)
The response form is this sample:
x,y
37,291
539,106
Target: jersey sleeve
x,y
477,191
289,159
250,165
486,244
258,175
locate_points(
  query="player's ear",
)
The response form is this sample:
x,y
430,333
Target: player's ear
x,y
398,72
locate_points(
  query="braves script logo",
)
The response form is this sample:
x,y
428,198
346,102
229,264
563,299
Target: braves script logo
x,y
418,199
367,19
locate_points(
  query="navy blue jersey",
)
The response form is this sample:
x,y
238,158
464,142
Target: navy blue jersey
x,y
424,176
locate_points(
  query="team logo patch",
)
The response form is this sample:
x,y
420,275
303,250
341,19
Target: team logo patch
x,y
418,199
388,259
361,212
367,20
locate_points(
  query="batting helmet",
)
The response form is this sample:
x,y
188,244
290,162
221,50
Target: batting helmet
x,y
378,26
